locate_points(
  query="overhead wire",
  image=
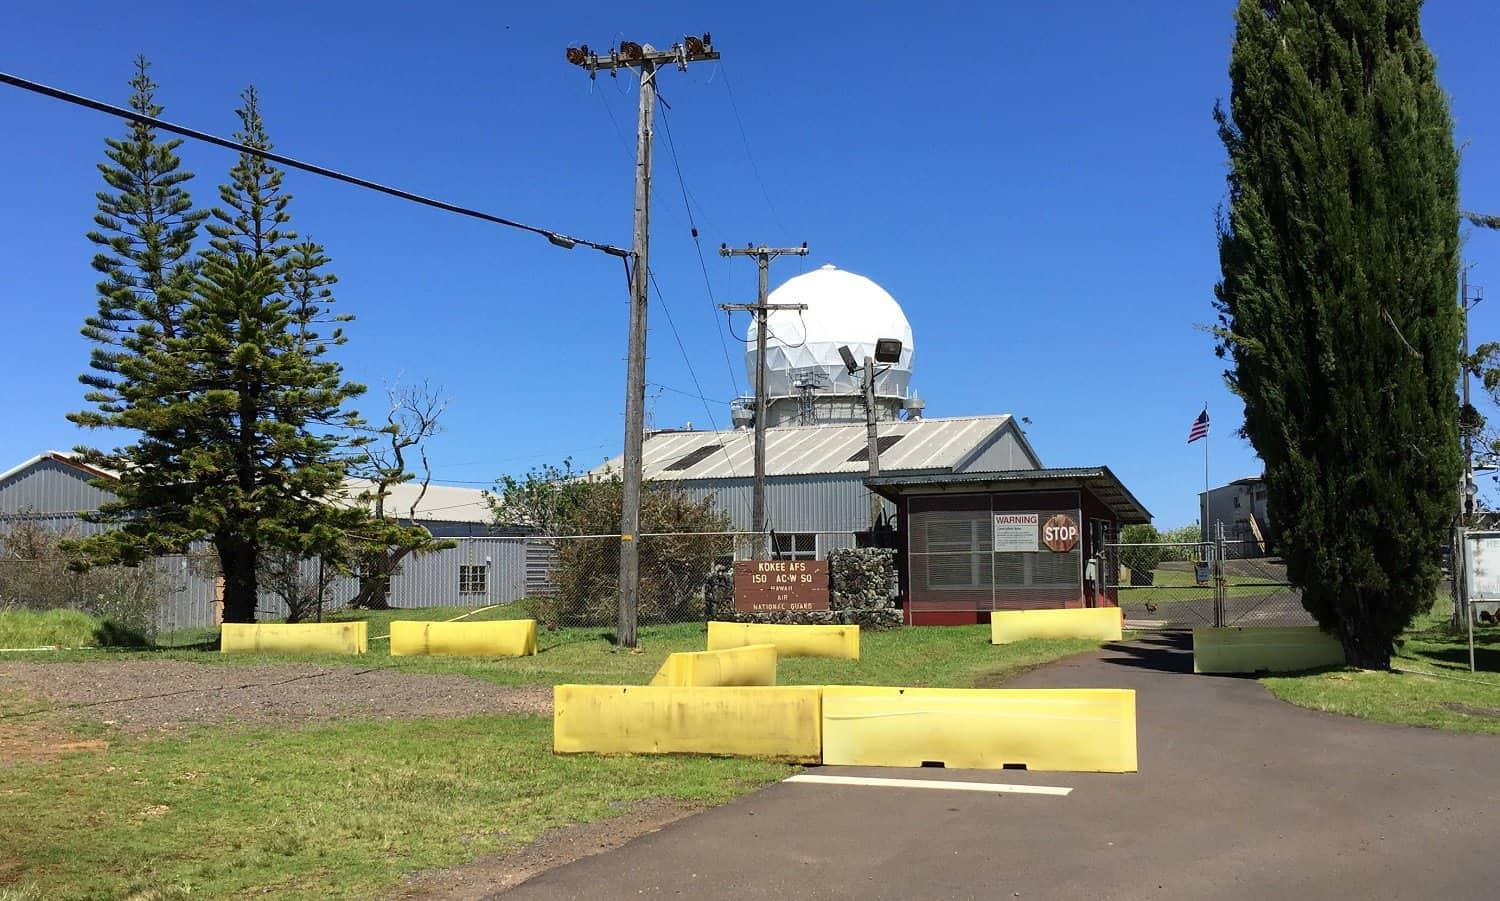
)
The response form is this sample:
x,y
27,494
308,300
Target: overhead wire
x,y
745,139
691,372
557,238
734,382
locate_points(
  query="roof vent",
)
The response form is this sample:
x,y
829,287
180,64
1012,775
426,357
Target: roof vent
x,y
696,457
883,444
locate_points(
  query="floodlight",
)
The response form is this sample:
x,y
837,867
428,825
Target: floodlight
x,y
849,362
887,350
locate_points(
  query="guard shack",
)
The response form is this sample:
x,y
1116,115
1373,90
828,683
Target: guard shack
x,y
974,542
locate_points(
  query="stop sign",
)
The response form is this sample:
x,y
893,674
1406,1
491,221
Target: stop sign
x,y
1060,533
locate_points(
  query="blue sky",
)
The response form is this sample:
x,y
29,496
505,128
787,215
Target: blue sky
x,y
1036,183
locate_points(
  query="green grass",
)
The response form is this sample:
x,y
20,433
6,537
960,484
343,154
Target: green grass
x,y
346,810
336,812
1454,699
60,628
949,656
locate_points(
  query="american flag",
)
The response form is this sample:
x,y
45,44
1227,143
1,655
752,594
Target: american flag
x,y
1200,427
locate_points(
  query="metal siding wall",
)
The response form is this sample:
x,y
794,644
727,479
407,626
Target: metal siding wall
x,y
820,503
431,580
1004,454
50,487
60,523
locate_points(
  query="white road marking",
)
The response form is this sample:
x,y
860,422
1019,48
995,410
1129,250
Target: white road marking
x,y
947,785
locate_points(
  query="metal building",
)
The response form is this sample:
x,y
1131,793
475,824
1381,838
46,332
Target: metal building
x,y
489,566
815,493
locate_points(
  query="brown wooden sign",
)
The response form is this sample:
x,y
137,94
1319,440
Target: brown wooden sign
x,y
770,585
1060,533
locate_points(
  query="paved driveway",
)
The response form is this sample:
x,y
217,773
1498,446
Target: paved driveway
x,y
1239,796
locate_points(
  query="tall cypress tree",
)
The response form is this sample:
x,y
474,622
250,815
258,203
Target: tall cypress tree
x,y
1339,253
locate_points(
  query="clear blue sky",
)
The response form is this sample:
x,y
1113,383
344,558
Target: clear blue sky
x,y
1036,183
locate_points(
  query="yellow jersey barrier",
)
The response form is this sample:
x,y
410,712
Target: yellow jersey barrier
x,y
790,641
750,665
1093,623
1079,730
293,638
498,638
775,722
1264,649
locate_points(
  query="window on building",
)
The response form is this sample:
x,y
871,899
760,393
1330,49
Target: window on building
x,y
795,546
473,579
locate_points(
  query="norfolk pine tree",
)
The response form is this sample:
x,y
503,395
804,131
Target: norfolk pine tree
x,y
1339,254
268,463
146,230
219,367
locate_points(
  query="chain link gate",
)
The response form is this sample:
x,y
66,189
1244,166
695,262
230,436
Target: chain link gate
x,y
1166,585
1187,585
1254,588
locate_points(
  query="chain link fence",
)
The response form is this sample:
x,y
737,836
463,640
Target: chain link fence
x,y
561,581
1184,585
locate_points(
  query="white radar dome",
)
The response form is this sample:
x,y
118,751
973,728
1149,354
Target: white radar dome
x,y
843,308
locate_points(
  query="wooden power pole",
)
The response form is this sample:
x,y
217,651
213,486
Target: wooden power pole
x,y
630,55
763,257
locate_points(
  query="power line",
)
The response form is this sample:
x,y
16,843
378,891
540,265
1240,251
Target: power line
x,y
745,138
691,373
712,400
713,302
558,238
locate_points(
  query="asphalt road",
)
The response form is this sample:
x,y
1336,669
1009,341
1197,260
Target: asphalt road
x,y
1238,796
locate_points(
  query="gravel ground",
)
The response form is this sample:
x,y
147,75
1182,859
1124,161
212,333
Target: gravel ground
x,y
148,695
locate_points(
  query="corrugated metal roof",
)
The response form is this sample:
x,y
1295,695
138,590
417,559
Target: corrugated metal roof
x,y
67,458
924,445
441,503
1104,485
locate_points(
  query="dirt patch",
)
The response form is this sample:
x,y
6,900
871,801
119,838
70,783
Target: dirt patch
x,y
25,742
1470,710
489,876
140,696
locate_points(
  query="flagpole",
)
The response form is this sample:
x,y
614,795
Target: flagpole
x,y
1206,431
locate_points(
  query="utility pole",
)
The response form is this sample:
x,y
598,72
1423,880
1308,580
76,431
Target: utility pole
x,y
630,55
1467,303
1466,487
872,438
763,257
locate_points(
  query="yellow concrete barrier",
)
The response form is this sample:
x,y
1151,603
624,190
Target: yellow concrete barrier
x,y
296,638
790,641
1264,649
783,723
500,638
1080,730
1093,623
753,664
